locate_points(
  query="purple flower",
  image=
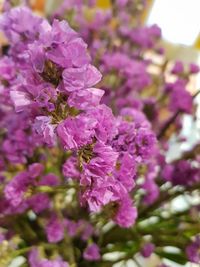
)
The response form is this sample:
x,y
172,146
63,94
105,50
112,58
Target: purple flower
x,y
122,3
105,129
100,191
20,24
97,196
147,250
193,250
39,202
35,260
151,191
167,172
20,99
126,214
181,173
65,49
73,228
87,231
54,230
103,162
15,190
92,253
20,145
70,168
136,116
35,170
85,99
61,32
69,132
145,142
178,68
80,78
126,171
72,53
49,179
180,98
7,69
145,37
194,69
44,128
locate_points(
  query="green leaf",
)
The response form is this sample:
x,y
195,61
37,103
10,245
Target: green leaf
x,y
176,257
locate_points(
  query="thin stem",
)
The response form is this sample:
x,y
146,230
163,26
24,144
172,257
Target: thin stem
x,y
167,197
167,125
21,251
196,94
52,189
172,119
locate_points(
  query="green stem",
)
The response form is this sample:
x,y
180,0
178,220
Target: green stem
x,y
21,251
53,189
166,197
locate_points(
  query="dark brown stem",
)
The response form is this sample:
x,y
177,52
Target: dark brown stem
x,y
167,125
171,120
166,197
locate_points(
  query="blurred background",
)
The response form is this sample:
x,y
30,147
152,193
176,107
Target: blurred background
x,y
180,24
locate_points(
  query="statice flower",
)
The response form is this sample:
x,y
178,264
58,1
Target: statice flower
x,y
106,128
103,161
181,173
126,213
45,129
54,230
68,131
72,227
145,37
126,171
70,168
19,191
145,142
20,23
21,27
15,190
122,3
180,98
92,253
178,68
133,71
76,79
194,69
8,72
192,250
100,192
85,99
39,202
16,148
147,250
80,228
134,135
88,230
36,261
151,191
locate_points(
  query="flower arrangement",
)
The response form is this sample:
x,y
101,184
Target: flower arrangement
x,y
84,171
